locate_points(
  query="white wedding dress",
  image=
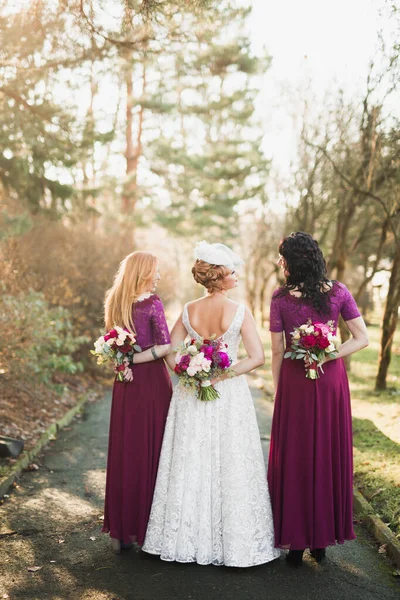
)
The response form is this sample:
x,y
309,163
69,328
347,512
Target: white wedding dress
x,y
211,502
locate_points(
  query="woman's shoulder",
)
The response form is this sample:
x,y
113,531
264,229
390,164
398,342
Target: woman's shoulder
x,y
338,288
280,292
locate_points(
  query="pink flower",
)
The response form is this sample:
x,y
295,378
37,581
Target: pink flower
x,y
223,360
184,363
111,334
207,351
322,328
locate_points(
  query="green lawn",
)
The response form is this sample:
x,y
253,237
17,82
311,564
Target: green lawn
x,y
376,456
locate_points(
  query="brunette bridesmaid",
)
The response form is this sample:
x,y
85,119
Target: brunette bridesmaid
x,y
140,407
310,471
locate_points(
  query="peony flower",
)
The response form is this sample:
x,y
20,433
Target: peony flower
x,y
192,349
322,329
119,342
323,342
110,334
184,362
198,359
191,371
125,348
207,351
223,360
308,341
206,365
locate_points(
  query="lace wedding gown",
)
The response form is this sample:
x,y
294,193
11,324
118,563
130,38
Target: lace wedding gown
x,y
211,502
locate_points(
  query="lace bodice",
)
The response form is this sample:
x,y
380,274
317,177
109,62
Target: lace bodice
x,y
150,324
288,311
231,337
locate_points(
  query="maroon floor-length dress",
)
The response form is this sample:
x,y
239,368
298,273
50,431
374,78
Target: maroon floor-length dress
x,y
138,413
310,470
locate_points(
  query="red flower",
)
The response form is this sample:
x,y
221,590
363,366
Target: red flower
x,y
125,348
120,368
308,341
178,370
323,342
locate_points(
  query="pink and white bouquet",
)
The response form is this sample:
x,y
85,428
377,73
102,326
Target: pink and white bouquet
x,y
313,342
199,361
117,346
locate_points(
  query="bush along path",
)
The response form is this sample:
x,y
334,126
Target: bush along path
x,y
52,548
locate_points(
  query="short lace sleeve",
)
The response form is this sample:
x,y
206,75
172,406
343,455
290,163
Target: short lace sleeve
x,y
275,317
348,307
158,323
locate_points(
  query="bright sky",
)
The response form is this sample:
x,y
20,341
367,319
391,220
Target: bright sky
x,y
327,43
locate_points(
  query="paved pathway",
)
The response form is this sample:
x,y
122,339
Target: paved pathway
x,y
56,514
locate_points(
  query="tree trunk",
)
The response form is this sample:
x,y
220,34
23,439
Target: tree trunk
x,y
132,153
389,323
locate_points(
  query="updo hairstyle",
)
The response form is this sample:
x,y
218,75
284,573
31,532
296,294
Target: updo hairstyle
x,y
210,276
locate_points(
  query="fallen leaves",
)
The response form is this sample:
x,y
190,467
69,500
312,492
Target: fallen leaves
x,y
92,538
34,569
382,549
32,467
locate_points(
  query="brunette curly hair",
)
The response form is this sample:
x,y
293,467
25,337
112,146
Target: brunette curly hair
x,y
210,276
306,268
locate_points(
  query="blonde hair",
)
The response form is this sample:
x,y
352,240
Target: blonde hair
x,y
211,276
135,273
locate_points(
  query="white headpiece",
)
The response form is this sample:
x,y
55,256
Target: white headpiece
x,y
217,254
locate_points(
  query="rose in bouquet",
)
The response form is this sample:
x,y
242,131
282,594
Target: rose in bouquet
x,y
199,361
117,346
313,343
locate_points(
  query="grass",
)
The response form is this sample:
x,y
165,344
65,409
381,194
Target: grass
x,y
377,471
364,366
376,456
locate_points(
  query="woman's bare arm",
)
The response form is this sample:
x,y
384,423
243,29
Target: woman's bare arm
x,y
178,334
147,355
254,348
359,338
277,352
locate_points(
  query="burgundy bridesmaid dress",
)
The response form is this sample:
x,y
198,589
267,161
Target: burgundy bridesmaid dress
x,y
138,413
310,470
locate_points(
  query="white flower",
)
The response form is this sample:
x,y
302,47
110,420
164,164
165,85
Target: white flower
x,y
296,336
206,365
303,327
330,348
178,358
192,350
191,371
309,330
118,329
119,342
122,336
198,359
330,337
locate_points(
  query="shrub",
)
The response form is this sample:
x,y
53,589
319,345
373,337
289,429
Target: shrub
x,y
37,341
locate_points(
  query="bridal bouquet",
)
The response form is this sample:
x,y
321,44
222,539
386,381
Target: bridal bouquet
x,y
199,361
117,346
313,342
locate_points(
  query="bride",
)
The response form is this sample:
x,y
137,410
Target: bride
x,y
211,502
